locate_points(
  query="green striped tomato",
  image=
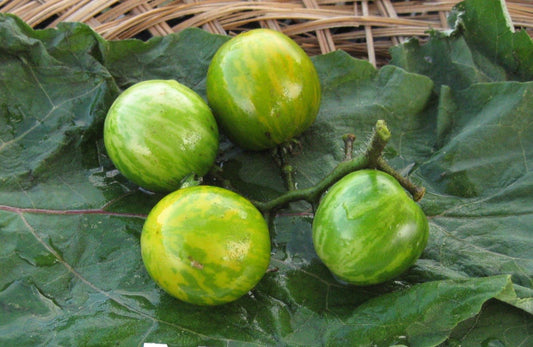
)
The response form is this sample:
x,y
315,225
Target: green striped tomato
x,y
205,245
158,132
263,89
367,230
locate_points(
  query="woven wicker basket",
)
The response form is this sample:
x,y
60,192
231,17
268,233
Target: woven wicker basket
x,y
365,29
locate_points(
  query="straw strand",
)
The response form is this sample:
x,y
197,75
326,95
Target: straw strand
x,y
364,29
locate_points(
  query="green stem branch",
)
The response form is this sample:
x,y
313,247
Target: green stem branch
x,y
288,174
416,191
281,154
370,159
312,194
379,140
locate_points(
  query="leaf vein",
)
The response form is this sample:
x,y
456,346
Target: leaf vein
x,y
79,276
38,122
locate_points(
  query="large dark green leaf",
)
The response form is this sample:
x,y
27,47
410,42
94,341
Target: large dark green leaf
x,y
482,47
54,94
181,57
71,271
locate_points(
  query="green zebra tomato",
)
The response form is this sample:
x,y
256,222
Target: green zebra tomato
x,y
158,132
205,245
367,230
263,89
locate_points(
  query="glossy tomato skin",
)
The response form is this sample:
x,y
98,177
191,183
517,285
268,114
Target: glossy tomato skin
x,y
157,132
263,89
205,245
367,230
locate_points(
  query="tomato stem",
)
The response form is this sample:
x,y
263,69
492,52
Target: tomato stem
x,y
379,140
281,154
313,194
416,191
348,139
288,174
370,159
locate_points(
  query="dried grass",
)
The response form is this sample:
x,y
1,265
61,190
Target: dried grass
x,y
365,29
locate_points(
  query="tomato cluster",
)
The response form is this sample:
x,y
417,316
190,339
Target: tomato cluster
x,y
207,245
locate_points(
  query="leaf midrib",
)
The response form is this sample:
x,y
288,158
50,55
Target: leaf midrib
x,y
21,213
